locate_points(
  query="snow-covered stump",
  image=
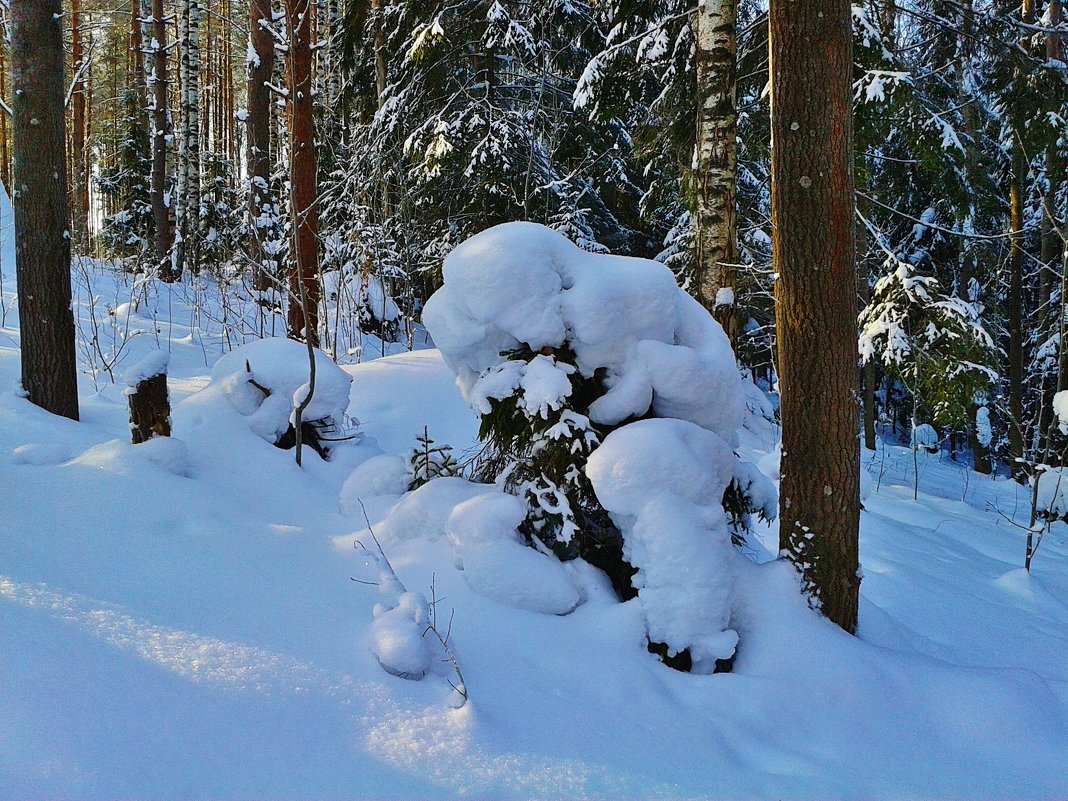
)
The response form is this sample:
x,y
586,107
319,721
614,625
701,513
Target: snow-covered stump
x,y
150,405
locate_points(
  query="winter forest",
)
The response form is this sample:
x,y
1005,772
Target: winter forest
x,y
557,399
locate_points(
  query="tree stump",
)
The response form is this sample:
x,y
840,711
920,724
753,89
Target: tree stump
x,y
150,408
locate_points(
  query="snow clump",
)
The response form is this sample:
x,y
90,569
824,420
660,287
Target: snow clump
x,y
496,562
662,481
281,367
522,284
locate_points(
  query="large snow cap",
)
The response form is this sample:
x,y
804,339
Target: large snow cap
x,y
281,366
523,283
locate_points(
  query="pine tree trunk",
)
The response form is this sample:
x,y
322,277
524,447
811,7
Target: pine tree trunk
x,y
42,245
259,133
716,157
304,267
813,251
160,124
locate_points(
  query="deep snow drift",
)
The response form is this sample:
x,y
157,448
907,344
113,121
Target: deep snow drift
x,y
183,624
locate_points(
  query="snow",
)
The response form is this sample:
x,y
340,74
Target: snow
x,y
1060,409
663,481
924,436
984,434
150,366
487,547
281,366
198,636
1052,496
524,284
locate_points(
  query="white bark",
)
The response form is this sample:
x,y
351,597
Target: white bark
x,y
187,208
715,159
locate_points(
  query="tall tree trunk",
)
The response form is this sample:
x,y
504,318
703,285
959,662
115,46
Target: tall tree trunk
x,y
260,70
1052,236
380,52
160,124
813,251
5,156
42,245
304,267
1014,300
716,161
187,205
79,169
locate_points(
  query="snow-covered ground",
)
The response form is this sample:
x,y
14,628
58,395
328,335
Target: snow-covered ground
x,y
182,623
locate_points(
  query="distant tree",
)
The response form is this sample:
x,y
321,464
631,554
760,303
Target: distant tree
x,y
42,239
159,84
304,286
813,250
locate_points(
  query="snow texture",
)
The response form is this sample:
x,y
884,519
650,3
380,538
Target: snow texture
x,y
524,284
1052,497
281,366
663,481
498,565
1060,408
150,366
924,436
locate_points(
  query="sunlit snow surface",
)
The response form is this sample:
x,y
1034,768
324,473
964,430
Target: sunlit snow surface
x,y
197,635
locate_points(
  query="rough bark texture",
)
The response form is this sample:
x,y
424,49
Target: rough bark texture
x,y
150,409
715,161
159,84
304,268
813,251
259,131
42,245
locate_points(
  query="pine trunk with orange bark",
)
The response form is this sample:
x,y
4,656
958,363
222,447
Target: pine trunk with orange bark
x,y
813,251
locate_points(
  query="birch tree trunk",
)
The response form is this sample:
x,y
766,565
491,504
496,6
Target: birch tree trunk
x,y
160,124
813,251
187,204
715,161
42,244
79,169
304,254
5,156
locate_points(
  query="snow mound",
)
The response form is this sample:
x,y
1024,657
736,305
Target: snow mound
x,y
41,453
662,481
1053,493
498,565
397,636
121,457
524,284
385,475
170,453
924,436
422,513
281,367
